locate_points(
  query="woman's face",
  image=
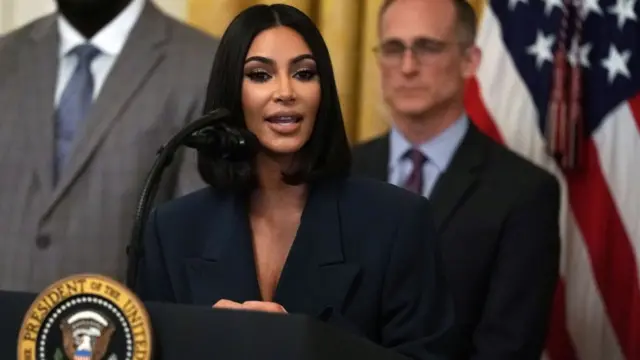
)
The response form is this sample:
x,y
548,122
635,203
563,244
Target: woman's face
x,y
280,90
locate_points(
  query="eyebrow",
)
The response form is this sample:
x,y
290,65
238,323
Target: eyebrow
x,y
418,38
268,61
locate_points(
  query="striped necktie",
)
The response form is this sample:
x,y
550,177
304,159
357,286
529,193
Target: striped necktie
x,y
415,181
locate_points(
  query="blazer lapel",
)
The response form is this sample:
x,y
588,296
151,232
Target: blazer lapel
x,y
41,64
142,53
316,279
226,269
457,182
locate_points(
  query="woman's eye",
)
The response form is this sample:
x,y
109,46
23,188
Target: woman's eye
x,y
305,75
258,76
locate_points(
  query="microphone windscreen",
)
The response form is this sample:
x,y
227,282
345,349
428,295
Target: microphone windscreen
x,y
221,141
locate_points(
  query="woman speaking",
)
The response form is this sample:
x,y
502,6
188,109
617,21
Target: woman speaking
x,y
288,230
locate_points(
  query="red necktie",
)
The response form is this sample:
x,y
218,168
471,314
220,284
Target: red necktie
x,y
414,181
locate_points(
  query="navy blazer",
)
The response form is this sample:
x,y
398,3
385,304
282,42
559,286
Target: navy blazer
x,y
364,258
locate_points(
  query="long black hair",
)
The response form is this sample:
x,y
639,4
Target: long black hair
x,y
327,153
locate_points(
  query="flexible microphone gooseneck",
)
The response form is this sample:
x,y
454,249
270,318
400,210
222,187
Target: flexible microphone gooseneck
x,y
210,135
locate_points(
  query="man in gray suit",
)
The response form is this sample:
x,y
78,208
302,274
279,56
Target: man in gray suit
x,y
88,95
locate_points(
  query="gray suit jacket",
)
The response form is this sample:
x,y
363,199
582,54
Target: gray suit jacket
x,y
83,224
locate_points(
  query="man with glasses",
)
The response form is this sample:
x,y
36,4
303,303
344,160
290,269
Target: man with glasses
x,y
496,213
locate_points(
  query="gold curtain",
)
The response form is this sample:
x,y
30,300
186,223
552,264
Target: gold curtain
x,y
349,28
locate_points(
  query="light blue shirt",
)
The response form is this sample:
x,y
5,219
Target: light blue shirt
x,y
439,151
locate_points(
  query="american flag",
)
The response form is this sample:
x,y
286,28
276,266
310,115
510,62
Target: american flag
x,y
597,305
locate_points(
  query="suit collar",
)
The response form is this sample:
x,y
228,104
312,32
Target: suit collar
x,y
44,28
459,179
143,52
316,259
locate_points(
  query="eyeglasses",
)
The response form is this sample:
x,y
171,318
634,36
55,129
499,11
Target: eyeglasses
x,y
391,52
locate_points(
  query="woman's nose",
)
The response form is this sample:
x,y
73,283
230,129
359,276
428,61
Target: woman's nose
x,y
285,90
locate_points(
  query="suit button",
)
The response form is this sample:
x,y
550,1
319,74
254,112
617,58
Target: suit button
x,y
43,241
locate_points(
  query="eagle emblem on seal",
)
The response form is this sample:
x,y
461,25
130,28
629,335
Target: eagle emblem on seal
x,y
86,335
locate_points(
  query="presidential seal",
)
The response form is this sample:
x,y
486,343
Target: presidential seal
x,y
86,317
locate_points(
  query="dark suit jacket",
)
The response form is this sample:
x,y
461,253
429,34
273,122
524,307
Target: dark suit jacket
x,y
496,215
365,258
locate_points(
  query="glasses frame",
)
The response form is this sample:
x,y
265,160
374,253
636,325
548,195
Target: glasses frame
x,y
423,50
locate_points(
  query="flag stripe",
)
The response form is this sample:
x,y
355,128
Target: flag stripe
x,y
587,323
609,248
617,140
634,104
559,343
477,111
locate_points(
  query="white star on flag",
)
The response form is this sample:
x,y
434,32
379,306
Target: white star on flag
x,y
616,63
541,49
590,6
623,10
549,5
514,3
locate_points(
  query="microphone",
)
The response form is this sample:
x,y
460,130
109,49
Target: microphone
x,y
212,137
220,141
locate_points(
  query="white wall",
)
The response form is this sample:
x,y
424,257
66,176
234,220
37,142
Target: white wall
x,y
15,13
176,8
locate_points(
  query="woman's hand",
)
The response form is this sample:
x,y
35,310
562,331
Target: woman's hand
x,y
227,304
264,306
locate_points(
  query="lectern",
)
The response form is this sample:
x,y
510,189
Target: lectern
x,y
191,332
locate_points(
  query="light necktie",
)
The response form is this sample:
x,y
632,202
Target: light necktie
x,y
415,181
74,105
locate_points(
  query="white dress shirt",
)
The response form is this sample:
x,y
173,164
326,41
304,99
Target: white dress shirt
x,y
438,151
109,40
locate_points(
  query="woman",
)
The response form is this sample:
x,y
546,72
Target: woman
x,y
289,231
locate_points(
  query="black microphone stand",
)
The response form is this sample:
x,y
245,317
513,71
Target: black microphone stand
x,y
163,159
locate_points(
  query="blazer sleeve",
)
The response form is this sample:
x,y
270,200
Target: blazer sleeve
x,y
417,308
518,305
153,282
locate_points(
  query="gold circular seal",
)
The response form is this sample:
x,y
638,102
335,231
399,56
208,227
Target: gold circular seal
x,y
86,317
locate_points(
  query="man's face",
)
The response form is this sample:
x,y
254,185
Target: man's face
x,y
422,61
